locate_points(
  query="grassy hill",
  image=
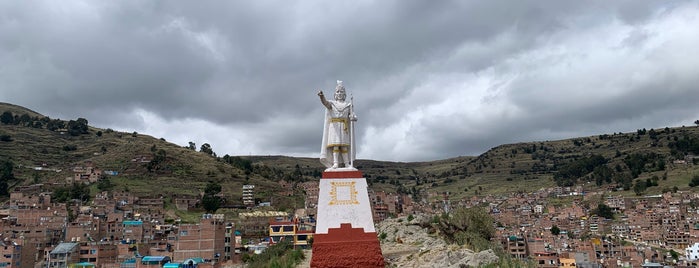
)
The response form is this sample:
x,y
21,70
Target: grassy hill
x,y
629,159
40,155
605,161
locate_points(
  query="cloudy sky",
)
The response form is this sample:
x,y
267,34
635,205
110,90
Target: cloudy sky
x,y
430,79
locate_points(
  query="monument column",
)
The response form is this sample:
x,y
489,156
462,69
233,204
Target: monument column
x,y
345,235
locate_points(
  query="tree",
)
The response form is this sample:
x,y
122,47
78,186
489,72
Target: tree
x,y
7,118
25,120
55,124
206,148
674,254
604,211
555,230
639,187
105,184
77,191
210,200
77,127
6,175
159,158
244,164
696,122
192,146
694,181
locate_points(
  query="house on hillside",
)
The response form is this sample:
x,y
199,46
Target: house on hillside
x,y
63,255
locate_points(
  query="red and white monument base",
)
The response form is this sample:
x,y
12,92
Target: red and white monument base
x,y
345,234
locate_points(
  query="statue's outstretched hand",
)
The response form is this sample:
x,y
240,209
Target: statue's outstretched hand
x,y
320,93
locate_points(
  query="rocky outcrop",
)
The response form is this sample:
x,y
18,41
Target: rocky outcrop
x,y
407,244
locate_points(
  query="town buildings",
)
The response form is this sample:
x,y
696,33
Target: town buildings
x,y
118,229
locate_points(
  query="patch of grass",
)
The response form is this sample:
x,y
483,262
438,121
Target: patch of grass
x,y
278,255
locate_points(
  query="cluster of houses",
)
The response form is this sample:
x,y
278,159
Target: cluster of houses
x,y
118,230
646,231
554,227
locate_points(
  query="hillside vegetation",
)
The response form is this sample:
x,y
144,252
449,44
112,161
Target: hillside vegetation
x,y
648,161
45,150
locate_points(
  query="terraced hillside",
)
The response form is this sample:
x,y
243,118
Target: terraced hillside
x,y
643,162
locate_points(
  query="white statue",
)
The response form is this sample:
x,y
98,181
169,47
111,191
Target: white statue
x,y
338,131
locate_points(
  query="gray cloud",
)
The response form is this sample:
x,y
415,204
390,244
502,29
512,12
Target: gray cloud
x,y
430,80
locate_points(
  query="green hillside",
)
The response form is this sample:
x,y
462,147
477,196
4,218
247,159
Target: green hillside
x,y
626,159
647,161
41,155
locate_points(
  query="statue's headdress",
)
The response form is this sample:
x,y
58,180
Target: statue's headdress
x,y
340,90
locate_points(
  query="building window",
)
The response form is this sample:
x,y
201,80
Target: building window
x,y
183,233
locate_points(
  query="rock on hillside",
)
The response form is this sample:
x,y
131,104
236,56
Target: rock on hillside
x,y
406,244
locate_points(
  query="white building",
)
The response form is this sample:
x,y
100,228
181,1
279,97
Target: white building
x,y
248,195
538,209
692,252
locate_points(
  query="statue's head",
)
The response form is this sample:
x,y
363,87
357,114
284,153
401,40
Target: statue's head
x,y
340,91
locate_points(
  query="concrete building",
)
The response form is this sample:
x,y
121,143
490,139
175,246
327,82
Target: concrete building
x,y
248,195
290,230
515,246
63,255
692,252
10,254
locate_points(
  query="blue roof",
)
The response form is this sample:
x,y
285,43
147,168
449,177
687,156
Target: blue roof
x,y
172,265
132,222
155,258
194,260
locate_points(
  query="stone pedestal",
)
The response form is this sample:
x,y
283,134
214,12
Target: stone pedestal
x,y
345,234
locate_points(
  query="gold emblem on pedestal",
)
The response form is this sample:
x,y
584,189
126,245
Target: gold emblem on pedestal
x,y
343,193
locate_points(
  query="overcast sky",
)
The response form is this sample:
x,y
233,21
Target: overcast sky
x,y
430,79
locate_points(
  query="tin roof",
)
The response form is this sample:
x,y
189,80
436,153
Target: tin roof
x,y
64,248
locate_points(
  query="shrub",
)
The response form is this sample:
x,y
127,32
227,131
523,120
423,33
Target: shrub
x,y
694,181
5,138
472,227
69,148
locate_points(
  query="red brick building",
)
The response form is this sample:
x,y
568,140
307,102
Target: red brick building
x,y
203,240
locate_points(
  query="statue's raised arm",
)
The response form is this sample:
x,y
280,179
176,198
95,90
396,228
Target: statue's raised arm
x,y
337,150
323,100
